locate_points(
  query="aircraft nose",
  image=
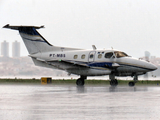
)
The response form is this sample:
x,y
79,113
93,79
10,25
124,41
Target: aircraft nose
x,y
153,67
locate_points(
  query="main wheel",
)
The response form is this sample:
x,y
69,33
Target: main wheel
x,y
80,82
131,84
114,82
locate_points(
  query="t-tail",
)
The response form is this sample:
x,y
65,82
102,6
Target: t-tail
x,y
34,42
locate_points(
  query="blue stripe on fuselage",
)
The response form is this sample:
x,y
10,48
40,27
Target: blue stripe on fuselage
x,y
100,64
109,65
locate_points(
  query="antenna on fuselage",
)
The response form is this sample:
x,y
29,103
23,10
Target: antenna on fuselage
x,y
94,47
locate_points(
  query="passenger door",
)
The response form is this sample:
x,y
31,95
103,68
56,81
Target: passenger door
x,y
91,56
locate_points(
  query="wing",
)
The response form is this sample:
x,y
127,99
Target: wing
x,y
96,65
68,64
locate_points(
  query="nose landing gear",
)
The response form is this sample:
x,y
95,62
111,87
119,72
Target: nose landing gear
x,y
132,83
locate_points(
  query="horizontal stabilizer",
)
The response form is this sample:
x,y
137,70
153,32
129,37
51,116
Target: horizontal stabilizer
x,y
18,27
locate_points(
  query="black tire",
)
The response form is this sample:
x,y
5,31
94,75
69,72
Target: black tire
x,y
114,82
80,82
131,84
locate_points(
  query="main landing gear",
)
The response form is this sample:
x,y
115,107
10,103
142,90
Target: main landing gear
x,y
132,83
113,81
80,81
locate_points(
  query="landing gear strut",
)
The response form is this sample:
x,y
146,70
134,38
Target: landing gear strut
x,y
132,83
80,81
113,81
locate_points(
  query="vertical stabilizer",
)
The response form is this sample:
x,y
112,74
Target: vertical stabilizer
x,y
34,42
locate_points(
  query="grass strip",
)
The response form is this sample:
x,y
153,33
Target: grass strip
x,y
73,81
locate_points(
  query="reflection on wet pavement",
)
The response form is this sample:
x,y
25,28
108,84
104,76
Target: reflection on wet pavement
x,y
69,102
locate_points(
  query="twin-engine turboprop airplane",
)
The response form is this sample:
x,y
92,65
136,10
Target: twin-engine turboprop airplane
x,y
80,61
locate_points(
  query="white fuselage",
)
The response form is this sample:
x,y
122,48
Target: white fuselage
x,y
94,62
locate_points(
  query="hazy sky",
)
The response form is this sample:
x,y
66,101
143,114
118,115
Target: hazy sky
x,y
132,26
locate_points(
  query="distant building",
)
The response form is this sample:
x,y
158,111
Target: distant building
x,y
16,49
153,57
5,49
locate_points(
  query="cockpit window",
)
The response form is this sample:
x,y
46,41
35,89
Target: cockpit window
x,y
109,55
120,54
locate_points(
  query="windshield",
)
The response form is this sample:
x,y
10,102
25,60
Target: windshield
x,y
120,54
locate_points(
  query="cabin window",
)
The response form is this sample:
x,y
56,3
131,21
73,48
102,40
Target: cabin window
x,y
109,55
75,56
83,56
100,56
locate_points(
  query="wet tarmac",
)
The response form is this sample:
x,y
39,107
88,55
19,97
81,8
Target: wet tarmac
x,y
69,102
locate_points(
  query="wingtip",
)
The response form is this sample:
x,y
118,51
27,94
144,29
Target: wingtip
x,y
6,26
42,26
